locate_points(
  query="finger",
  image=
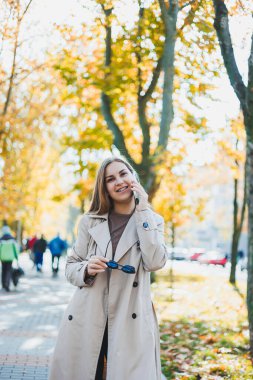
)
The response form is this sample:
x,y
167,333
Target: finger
x,y
103,259
98,263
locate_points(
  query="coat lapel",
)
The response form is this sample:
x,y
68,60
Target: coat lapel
x,y
127,240
101,234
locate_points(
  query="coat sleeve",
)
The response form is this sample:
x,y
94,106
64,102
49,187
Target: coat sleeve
x,y
150,230
77,262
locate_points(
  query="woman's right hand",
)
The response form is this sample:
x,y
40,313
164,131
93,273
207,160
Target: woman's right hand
x,y
96,264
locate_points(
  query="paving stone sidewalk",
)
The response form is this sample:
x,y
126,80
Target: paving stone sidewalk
x,y
30,316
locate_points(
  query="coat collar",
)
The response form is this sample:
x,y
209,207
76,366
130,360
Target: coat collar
x,y
101,234
127,240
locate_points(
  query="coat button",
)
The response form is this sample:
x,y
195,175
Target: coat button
x,y
134,316
138,244
145,224
135,284
70,317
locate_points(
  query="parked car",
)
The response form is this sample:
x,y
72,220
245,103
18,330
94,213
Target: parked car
x,y
178,253
195,253
213,258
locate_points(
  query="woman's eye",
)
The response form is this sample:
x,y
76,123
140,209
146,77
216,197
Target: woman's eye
x,y
109,180
124,173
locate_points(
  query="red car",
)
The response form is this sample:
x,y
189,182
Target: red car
x,y
196,253
214,258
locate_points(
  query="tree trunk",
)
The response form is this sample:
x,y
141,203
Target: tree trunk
x,y
245,97
237,226
250,241
171,273
234,250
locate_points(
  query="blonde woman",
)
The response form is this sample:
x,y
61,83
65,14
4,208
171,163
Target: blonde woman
x,y
111,317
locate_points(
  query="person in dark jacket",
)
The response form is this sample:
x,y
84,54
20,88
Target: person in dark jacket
x,y
57,246
8,253
39,248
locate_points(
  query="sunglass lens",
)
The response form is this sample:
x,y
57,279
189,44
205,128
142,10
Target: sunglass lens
x,y
112,264
128,269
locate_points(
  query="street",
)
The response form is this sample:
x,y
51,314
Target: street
x,y
204,270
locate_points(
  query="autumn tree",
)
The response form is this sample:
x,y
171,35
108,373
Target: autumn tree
x,y
28,106
138,72
244,91
12,17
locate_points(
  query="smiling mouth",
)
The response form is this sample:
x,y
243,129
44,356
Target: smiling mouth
x,y
122,189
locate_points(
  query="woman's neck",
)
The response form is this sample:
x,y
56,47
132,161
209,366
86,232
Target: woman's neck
x,y
124,208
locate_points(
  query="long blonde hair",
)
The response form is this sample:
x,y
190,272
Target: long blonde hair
x,y
101,203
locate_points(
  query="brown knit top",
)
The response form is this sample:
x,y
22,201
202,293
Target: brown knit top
x,y
117,224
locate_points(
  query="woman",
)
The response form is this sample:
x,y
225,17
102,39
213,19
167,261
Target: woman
x,y
111,314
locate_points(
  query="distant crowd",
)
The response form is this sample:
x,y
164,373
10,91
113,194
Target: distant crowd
x,y
36,246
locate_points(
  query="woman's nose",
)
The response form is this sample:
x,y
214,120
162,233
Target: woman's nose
x,y
118,180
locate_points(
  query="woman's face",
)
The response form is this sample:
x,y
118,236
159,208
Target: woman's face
x,y
118,180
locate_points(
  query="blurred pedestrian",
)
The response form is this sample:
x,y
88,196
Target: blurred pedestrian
x,y
57,246
30,247
240,255
110,317
39,249
8,252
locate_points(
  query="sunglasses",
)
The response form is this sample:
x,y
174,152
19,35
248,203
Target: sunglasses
x,y
125,268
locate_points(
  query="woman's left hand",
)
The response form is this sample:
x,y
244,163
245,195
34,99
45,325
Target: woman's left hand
x,y
141,195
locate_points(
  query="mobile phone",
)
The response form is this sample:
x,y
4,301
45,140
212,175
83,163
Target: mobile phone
x,y
136,198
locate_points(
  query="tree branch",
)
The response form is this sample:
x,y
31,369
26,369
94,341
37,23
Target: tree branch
x,y
13,69
112,125
170,20
191,14
221,25
138,51
187,4
26,9
156,74
105,99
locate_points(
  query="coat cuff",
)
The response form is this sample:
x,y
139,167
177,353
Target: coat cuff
x,y
88,279
83,279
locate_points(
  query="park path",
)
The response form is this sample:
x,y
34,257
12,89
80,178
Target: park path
x,y
30,316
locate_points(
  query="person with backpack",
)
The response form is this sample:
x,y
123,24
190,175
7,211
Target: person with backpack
x,y
8,253
57,246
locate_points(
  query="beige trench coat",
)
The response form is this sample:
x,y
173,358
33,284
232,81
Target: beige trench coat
x,y
123,299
